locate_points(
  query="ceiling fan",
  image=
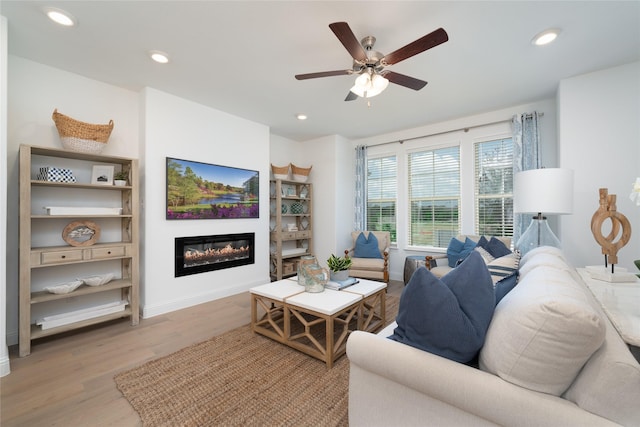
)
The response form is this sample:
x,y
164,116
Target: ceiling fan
x,y
370,64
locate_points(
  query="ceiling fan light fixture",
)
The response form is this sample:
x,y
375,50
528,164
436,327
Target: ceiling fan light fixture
x,y
545,37
379,82
60,16
367,86
363,81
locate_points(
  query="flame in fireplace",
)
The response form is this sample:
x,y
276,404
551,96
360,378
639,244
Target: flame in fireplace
x,y
194,256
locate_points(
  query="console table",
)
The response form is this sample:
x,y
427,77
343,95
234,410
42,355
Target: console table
x,y
621,303
317,324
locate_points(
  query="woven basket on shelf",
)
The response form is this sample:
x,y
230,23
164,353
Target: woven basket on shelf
x,y
79,136
300,174
280,172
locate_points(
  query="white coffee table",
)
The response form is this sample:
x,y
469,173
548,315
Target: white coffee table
x,y
284,312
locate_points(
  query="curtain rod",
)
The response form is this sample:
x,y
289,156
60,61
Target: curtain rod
x,y
465,129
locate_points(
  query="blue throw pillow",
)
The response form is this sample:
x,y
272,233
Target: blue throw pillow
x,y
458,250
366,247
448,316
504,286
497,248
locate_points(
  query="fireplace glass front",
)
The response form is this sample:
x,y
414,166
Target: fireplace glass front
x,y
199,254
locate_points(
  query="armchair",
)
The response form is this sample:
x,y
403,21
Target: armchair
x,y
369,261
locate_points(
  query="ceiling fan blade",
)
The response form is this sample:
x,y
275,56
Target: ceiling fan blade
x,y
406,81
351,96
348,39
432,39
323,74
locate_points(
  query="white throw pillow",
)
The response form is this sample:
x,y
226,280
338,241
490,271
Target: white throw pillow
x,y
486,256
542,333
504,266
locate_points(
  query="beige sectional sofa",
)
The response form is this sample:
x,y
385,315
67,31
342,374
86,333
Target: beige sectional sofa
x,y
551,357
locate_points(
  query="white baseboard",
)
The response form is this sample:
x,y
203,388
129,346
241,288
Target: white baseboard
x,y
169,306
5,368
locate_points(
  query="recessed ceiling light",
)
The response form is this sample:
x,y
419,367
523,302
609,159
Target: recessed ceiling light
x,y
60,16
545,37
159,57
301,116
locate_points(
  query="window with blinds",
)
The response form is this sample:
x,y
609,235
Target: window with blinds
x,y
434,196
494,187
382,189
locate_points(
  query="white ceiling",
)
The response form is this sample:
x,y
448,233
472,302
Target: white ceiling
x,y
241,56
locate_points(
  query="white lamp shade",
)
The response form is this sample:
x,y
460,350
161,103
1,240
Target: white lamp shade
x,y
547,191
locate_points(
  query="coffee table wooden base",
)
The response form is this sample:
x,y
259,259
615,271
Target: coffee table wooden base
x,y
317,334
329,347
373,312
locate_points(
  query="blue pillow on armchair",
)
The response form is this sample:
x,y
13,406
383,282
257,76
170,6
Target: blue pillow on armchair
x,y
447,316
366,247
457,250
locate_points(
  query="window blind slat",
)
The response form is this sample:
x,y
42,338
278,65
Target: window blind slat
x,y
494,187
382,191
434,196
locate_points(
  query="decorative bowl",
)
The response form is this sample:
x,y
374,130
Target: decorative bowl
x,y
64,288
97,280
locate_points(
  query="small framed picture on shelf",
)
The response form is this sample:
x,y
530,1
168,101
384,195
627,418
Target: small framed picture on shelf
x,y
102,174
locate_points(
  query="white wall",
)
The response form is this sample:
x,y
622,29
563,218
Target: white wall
x,y
174,127
4,351
283,151
34,91
599,137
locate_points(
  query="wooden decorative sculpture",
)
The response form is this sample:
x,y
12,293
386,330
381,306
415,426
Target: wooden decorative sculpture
x,y
608,210
81,233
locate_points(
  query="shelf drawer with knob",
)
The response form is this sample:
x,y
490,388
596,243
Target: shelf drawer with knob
x,y
112,252
44,257
59,257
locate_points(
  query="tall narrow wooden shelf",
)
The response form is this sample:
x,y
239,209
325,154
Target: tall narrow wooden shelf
x,y
66,259
291,202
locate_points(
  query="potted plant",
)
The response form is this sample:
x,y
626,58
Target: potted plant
x,y
339,267
120,178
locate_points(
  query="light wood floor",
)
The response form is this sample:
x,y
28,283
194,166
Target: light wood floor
x,y
68,380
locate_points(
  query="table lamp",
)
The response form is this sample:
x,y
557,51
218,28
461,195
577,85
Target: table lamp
x,y
547,191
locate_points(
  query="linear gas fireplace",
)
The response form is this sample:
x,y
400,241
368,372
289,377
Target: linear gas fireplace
x,y
200,254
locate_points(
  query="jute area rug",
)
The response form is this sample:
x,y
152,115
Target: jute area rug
x,y
240,379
